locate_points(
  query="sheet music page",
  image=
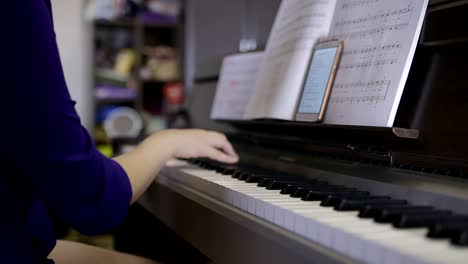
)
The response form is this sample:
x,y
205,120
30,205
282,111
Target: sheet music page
x,y
235,86
298,26
380,40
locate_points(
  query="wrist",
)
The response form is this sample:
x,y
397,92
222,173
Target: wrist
x,y
164,143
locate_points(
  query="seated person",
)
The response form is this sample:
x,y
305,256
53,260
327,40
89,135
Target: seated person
x,y
50,163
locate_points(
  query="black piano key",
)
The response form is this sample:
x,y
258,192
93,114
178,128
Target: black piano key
x,y
196,162
373,211
290,188
264,182
228,170
203,165
243,176
243,172
357,205
320,195
447,230
394,215
461,238
209,165
217,168
438,217
258,177
253,179
237,173
280,184
302,191
222,169
336,199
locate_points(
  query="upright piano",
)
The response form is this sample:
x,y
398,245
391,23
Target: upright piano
x,y
308,193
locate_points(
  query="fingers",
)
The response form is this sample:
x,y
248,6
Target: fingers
x,y
218,155
198,143
221,142
225,146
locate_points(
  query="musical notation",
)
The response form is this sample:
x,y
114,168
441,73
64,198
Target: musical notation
x,y
372,50
360,65
372,56
373,18
371,32
380,38
358,3
357,92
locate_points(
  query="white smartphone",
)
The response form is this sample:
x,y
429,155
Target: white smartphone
x,y
318,82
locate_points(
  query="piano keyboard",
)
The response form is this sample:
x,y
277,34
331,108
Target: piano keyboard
x,y
365,227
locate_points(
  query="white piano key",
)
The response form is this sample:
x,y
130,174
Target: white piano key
x,y
361,239
359,249
404,245
291,214
277,209
345,235
257,204
271,207
325,233
431,249
260,205
374,248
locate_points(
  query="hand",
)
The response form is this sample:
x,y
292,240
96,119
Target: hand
x,y
144,162
196,143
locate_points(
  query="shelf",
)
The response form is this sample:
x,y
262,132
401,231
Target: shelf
x,y
111,76
123,22
159,82
155,20
109,94
155,25
115,100
142,30
133,22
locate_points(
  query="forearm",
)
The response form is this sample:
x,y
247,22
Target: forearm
x,y
144,163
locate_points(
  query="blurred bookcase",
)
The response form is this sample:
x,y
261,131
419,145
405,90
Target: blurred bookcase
x,y
134,60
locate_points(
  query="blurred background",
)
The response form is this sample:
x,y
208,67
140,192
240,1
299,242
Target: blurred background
x,y
123,64
136,67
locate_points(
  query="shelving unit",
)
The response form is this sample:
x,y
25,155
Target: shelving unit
x,y
138,38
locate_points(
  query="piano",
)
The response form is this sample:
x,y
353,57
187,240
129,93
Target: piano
x,y
307,193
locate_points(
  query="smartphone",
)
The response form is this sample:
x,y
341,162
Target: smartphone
x,y
318,81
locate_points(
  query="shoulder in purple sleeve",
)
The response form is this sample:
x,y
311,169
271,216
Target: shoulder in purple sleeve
x,y
49,162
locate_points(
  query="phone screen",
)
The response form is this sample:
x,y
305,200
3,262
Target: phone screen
x,y
316,81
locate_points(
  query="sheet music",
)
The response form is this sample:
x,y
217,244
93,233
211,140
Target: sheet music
x,y
235,85
380,40
298,26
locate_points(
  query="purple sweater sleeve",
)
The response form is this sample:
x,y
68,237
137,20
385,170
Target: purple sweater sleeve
x,y
55,157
